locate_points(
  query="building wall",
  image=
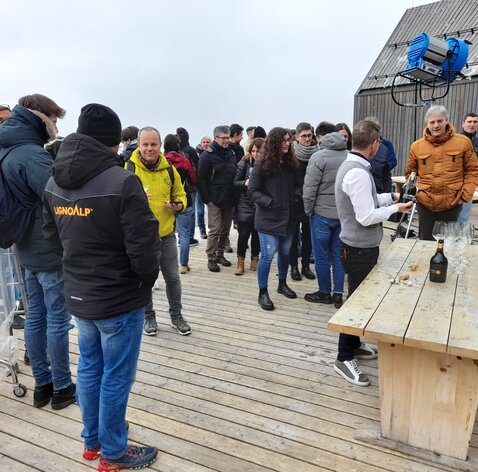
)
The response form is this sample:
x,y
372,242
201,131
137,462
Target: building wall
x,y
403,125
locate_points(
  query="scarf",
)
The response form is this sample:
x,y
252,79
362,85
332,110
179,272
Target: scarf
x,y
436,140
303,153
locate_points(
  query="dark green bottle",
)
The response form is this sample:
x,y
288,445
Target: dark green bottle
x,y
438,265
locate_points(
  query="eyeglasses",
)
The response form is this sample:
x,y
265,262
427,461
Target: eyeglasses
x,y
305,136
379,141
224,138
286,140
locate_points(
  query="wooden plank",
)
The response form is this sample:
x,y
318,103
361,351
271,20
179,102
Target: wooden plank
x,y
391,318
428,399
357,311
463,340
11,465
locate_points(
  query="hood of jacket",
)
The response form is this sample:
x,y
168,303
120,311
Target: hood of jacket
x,y
80,159
26,127
174,157
437,140
333,141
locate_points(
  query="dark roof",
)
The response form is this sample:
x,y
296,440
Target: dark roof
x,y
446,18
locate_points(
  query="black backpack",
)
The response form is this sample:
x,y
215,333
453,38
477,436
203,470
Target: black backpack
x,y
16,220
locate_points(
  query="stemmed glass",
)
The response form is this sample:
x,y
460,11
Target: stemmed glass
x,y
464,237
439,229
450,246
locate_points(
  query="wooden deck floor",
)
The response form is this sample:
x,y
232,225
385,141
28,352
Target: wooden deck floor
x,y
248,390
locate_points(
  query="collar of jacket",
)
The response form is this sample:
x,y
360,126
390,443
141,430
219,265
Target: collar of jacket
x,y
436,140
161,164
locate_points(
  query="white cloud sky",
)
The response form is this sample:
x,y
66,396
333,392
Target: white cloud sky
x,y
195,63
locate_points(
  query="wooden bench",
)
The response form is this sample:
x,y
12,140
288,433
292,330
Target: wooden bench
x,y
427,336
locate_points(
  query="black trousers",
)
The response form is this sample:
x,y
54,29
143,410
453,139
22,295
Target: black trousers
x,y
302,231
357,262
427,218
247,229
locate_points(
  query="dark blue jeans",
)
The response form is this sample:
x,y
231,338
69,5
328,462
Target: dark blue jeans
x,y
357,262
46,327
109,351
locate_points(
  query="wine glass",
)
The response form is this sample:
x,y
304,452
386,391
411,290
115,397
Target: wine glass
x,y
439,230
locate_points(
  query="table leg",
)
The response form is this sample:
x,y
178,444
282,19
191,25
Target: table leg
x,y
427,399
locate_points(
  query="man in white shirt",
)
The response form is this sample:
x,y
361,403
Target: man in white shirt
x,y
361,212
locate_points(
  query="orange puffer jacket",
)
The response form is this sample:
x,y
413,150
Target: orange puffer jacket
x,y
447,169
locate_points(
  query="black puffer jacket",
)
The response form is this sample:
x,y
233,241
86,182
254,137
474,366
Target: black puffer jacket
x,y
244,207
217,168
110,237
277,198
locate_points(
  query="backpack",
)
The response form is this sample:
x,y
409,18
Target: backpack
x,y
16,220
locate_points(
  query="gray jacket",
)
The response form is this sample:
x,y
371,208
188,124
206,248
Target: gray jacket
x,y
319,183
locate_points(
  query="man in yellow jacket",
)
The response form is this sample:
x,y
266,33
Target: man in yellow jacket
x,y
447,170
167,197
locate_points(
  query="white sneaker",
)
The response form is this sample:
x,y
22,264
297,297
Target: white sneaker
x,y
350,371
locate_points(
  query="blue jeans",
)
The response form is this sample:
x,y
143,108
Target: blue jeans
x,y
200,211
465,212
271,244
183,227
326,245
193,213
46,327
109,351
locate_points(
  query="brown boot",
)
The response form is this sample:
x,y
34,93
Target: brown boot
x,y
254,261
240,266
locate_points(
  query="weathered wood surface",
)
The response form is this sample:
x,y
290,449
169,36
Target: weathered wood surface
x,y
248,390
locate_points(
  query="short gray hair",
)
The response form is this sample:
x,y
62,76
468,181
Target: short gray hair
x,y
148,128
221,130
437,110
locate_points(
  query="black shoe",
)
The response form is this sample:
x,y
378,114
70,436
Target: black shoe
x,y
203,234
337,299
307,273
193,242
264,301
285,290
223,261
26,358
294,273
64,397
18,322
228,248
212,265
42,395
181,325
150,326
319,297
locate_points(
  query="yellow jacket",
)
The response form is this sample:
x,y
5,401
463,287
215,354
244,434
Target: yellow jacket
x,y
157,185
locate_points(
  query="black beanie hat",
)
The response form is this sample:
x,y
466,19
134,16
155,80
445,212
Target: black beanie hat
x,y
170,143
101,123
183,135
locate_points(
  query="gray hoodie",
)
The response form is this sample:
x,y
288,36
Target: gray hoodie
x,y
319,192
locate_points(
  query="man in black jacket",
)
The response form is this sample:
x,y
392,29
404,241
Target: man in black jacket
x,y
217,167
111,250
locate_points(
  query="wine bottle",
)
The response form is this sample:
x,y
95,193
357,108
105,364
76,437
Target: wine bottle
x,y
438,264
409,190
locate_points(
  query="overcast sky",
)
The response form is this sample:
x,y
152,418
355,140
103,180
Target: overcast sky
x,y
195,63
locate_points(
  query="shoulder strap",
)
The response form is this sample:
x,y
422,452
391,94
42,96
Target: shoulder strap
x,y
130,166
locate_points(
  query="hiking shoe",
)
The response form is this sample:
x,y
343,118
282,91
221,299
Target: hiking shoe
x,y
193,242
18,322
136,457
212,265
365,351
150,327
91,454
223,261
203,234
319,297
350,371
64,397
184,269
181,325
42,395
337,299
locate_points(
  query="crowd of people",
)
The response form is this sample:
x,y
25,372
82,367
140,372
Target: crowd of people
x,y
106,221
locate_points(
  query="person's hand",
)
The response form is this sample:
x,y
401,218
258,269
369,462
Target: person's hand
x,y
396,197
404,207
246,183
174,206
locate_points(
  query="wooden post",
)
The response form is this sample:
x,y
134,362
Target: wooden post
x,y
427,399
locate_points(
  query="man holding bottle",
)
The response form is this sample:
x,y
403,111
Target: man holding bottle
x,y
447,170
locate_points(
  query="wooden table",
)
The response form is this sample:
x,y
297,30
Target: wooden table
x,y
427,335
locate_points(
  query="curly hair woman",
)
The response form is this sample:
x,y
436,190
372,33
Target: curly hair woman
x,y
273,187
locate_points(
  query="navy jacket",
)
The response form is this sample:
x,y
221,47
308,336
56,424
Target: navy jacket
x,y
244,206
217,167
27,169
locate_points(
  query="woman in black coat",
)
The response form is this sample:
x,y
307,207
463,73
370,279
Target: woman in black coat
x,y
273,187
245,208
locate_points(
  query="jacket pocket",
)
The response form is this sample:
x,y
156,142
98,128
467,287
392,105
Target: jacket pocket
x,y
424,164
454,162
